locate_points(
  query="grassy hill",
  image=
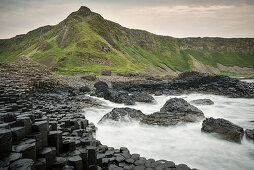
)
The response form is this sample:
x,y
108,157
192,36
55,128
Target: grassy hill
x,y
85,42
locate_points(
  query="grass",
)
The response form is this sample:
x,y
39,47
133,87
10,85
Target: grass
x,y
130,50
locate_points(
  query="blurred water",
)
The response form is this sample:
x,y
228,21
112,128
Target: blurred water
x,y
182,143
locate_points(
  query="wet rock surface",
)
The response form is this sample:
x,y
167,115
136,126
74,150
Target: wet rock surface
x,y
223,128
250,133
142,97
123,114
202,102
193,82
42,127
174,111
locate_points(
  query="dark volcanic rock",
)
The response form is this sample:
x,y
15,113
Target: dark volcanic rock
x,y
5,142
123,114
142,97
224,128
250,133
194,82
22,164
118,97
202,102
84,89
164,119
182,107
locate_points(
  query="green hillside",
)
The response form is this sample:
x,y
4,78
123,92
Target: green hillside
x,y
85,42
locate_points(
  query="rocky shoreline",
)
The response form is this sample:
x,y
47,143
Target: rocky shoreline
x,y
42,125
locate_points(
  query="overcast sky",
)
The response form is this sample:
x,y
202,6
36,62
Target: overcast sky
x,y
177,18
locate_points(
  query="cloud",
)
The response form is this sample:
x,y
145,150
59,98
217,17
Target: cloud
x,y
179,18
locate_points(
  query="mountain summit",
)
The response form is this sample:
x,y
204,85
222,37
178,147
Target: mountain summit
x,y
86,42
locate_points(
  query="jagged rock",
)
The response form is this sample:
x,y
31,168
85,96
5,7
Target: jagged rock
x,y
142,97
100,88
224,128
118,97
5,142
22,164
202,102
123,114
175,110
250,133
180,106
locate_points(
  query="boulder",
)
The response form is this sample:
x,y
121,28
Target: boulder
x,y
106,73
89,77
250,133
123,114
118,97
100,87
224,128
202,102
142,97
185,111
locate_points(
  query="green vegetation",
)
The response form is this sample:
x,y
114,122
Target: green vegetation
x,y
85,42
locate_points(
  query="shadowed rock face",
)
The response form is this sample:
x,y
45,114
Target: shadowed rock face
x,y
123,114
194,82
175,111
181,106
224,128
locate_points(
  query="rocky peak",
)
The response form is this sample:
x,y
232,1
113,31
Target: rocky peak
x,y
84,11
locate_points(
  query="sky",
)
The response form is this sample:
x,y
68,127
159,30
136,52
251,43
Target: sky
x,y
177,18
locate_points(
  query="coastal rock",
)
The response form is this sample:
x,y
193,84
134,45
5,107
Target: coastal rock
x,y
22,164
202,102
118,97
5,142
123,114
224,128
181,107
100,87
250,133
84,89
142,97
